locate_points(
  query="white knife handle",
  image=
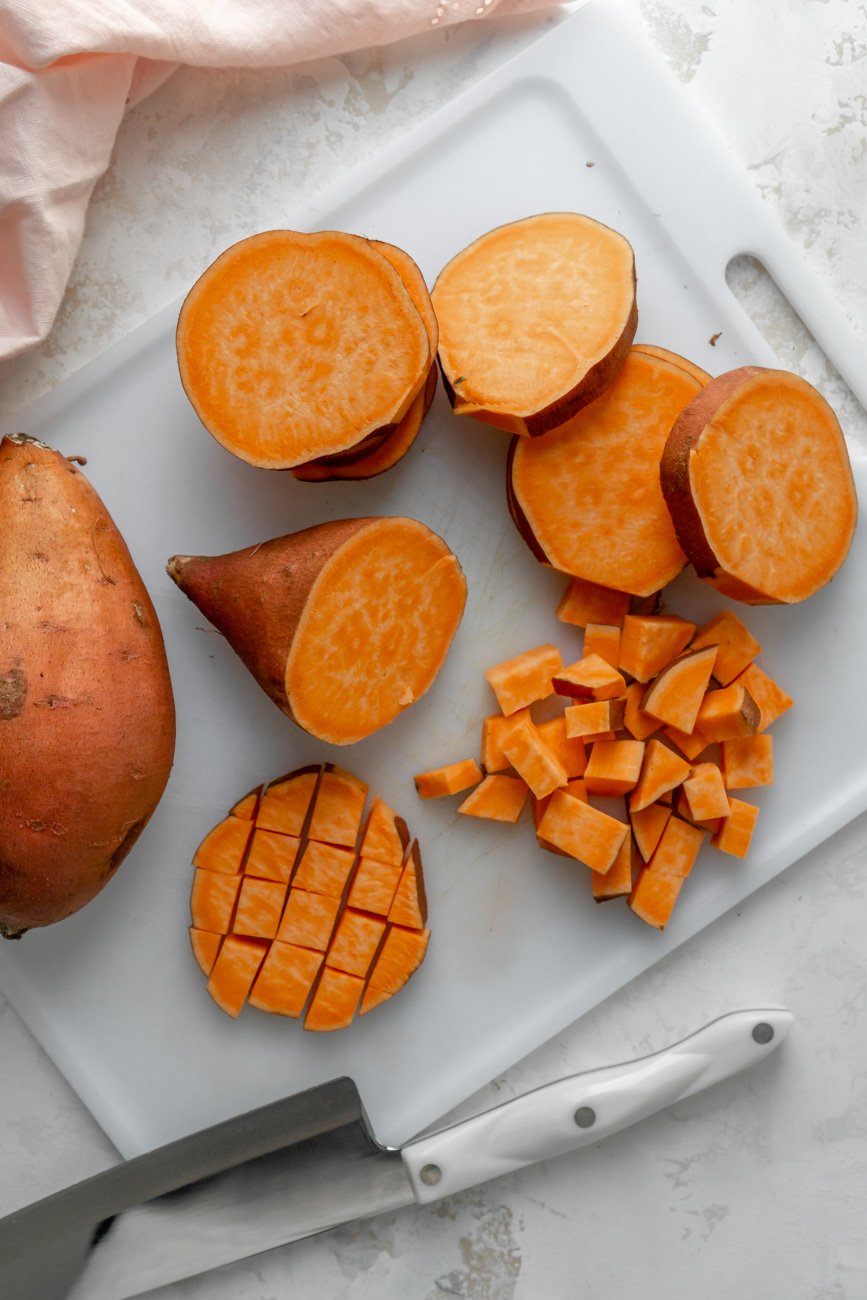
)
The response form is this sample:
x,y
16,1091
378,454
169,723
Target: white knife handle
x,y
583,1108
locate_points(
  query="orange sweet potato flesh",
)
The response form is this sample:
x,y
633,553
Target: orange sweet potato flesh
x,y
653,350
278,365
344,624
675,696
587,499
757,478
86,707
497,798
535,320
308,911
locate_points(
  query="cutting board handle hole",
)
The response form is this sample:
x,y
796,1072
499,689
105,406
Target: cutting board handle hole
x,y
773,315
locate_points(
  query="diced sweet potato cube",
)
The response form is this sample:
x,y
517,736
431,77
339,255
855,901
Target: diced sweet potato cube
x,y
577,789
386,836
409,905
677,850
569,750
450,779
690,743
212,900
594,718
272,855
586,602
582,831
373,886
533,760
234,970
603,639
771,699
338,808
497,798
654,895
638,723
260,906
650,641
205,946
705,793
285,803
748,762
247,807
617,880
308,919
727,713
647,826
493,730
224,847
675,696
324,868
525,679
355,942
335,1000
399,957
736,646
614,766
735,832
590,678
285,979
661,770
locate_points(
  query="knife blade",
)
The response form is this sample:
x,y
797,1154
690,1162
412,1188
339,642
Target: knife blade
x,y
309,1163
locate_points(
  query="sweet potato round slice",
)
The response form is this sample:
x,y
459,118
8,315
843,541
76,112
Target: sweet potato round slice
x,y
757,478
536,318
293,346
344,625
586,498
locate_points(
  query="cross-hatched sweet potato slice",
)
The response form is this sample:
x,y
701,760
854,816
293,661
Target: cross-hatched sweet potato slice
x,y
374,885
287,801
277,368
386,837
399,957
409,905
260,906
224,848
213,899
308,919
285,979
339,807
335,1000
757,479
323,868
356,940
205,946
272,855
535,319
586,498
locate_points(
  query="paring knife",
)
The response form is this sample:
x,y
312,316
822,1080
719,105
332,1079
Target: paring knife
x,y
308,1163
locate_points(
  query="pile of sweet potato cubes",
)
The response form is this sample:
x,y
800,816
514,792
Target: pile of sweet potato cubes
x,y
666,715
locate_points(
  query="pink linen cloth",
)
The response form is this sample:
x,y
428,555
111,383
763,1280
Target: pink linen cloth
x,y
69,69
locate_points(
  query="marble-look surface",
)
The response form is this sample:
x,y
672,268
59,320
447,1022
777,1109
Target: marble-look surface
x,y
759,1188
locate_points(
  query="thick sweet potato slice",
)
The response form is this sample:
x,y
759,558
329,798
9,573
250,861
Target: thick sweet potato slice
x,y
535,318
451,779
587,498
757,478
277,367
675,696
344,625
399,957
312,902
653,350
586,602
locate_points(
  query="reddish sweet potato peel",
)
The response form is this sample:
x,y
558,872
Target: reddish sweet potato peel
x,y
339,922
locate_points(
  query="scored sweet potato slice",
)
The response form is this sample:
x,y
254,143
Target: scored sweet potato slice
x,y
224,848
307,910
278,367
535,319
757,478
587,499
400,956
344,625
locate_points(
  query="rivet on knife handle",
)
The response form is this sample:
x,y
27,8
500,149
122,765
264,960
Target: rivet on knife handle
x,y
584,1108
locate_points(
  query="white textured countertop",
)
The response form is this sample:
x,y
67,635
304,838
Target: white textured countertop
x,y
758,1188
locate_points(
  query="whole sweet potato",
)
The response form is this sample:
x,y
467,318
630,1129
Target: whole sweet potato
x,y
87,722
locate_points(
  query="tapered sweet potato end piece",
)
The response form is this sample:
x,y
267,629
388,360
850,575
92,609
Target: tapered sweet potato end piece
x,y
757,479
344,625
276,367
536,318
399,958
285,979
586,497
205,946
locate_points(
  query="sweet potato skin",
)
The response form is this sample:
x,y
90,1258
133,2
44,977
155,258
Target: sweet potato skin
x,y
87,721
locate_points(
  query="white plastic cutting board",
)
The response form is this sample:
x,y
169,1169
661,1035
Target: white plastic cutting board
x,y
519,949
